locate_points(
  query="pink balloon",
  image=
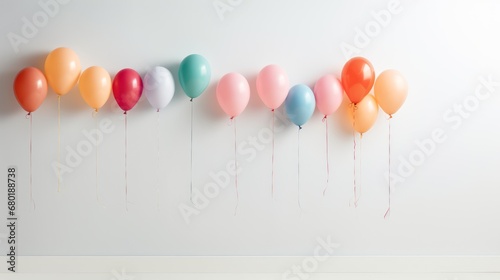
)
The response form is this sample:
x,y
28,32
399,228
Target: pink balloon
x,y
328,92
272,86
233,93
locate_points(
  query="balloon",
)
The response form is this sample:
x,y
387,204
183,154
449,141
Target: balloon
x,y
194,75
95,86
328,93
127,88
272,86
30,88
62,68
300,104
391,90
233,93
358,77
365,114
159,87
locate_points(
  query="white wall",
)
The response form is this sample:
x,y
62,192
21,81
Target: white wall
x,y
449,205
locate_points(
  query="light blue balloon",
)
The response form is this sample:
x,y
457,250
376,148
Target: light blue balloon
x,y
300,104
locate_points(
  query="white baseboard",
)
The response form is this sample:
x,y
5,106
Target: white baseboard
x,y
307,267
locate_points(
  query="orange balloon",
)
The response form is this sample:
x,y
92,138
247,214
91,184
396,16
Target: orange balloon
x,y
30,88
62,68
95,86
363,115
358,77
391,90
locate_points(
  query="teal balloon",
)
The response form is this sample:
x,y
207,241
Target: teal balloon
x,y
300,104
194,75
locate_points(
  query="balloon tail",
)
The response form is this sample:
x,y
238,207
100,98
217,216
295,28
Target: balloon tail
x,y
58,143
158,159
94,115
272,160
360,178
191,151
298,167
126,162
30,116
354,154
388,212
325,120
236,170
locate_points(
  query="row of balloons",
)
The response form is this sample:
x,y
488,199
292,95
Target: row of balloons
x,y
63,72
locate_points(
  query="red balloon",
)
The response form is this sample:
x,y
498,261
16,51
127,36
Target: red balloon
x,y
127,88
30,88
358,78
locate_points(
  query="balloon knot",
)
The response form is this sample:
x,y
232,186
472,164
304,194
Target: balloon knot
x,y
272,110
231,118
390,116
124,112
191,99
28,115
324,118
300,127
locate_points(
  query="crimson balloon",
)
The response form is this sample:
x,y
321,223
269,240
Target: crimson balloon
x,y
127,88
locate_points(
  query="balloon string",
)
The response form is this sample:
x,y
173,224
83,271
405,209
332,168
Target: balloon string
x,y
59,143
325,119
354,152
158,159
272,160
236,170
388,212
94,115
192,105
298,167
31,159
360,181
126,162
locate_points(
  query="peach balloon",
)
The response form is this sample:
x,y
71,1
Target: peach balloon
x,y
391,90
95,86
364,115
62,69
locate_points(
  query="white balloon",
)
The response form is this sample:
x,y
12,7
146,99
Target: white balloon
x,y
159,87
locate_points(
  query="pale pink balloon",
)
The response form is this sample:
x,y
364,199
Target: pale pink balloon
x,y
272,86
328,92
233,94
